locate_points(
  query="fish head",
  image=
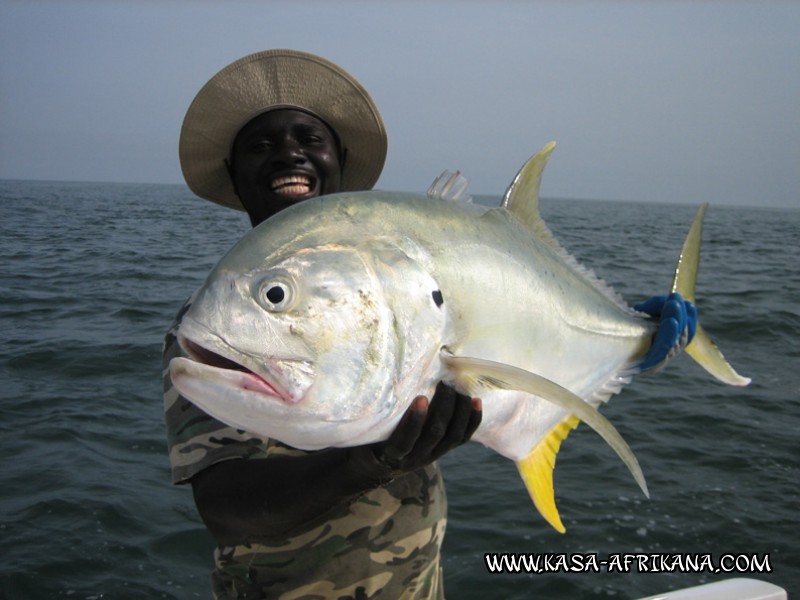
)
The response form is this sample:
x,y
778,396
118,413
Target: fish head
x,y
322,346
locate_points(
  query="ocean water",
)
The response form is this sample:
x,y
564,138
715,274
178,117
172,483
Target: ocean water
x,y
92,275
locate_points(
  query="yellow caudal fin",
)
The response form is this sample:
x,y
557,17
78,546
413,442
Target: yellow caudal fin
x,y
536,471
708,356
701,348
688,262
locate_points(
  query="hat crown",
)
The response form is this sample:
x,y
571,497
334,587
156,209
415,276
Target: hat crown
x,y
278,79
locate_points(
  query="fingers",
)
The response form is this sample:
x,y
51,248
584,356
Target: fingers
x,y
674,305
666,339
685,313
403,439
452,419
446,421
676,328
674,308
430,429
476,414
652,306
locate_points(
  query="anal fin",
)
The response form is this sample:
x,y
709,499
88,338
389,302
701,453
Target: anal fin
x,y
536,471
473,374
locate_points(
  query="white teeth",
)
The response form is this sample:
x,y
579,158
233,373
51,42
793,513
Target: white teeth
x,y
294,190
292,184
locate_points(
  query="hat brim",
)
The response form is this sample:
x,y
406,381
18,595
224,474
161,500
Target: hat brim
x,y
272,79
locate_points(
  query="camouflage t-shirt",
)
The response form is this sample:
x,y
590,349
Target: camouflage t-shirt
x,y
383,544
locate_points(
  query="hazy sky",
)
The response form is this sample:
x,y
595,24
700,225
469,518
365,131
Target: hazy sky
x,y
655,101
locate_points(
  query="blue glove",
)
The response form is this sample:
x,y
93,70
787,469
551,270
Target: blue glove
x,y
676,328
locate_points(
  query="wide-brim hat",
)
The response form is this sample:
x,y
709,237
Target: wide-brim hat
x,y
278,79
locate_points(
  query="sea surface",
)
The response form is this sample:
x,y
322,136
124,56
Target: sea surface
x,y
92,275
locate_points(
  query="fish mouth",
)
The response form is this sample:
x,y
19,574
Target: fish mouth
x,y
295,185
262,383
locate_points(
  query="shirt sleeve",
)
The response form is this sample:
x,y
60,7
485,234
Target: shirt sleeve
x,y
196,440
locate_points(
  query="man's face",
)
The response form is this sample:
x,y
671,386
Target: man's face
x,y
283,157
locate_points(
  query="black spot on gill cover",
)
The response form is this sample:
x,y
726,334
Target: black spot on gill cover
x,y
437,297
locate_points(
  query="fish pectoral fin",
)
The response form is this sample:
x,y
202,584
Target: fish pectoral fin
x,y
473,374
536,471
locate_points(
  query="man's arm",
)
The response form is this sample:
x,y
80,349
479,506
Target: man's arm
x,y
243,500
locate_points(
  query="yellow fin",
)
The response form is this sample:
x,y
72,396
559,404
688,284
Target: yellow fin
x,y
473,374
522,197
708,356
686,270
701,348
536,471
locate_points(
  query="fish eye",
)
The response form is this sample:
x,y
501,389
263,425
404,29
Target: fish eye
x,y
276,294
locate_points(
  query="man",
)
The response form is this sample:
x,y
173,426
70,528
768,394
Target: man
x,y
270,130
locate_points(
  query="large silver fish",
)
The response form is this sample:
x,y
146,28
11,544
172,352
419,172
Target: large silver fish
x,y
324,322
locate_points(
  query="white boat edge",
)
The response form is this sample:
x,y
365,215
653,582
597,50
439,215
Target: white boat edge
x,y
730,589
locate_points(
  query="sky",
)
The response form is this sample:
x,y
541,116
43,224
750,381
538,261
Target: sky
x,y
662,101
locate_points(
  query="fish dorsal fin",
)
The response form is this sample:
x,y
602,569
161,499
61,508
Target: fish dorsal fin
x,y
522,197
536,471
450,186
471,375
522,201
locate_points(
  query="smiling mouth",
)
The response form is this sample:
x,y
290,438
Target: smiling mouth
x,y
292,186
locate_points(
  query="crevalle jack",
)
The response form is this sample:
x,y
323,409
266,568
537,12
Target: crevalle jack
x,y
323,323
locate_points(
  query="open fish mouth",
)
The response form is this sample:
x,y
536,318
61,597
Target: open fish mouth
x,y
235,373
293,185
212,359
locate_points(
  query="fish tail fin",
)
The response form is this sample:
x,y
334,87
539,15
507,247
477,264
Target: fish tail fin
x,y
536,471
701,348
707,355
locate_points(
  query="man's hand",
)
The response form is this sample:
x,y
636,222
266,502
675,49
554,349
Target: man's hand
x,y
425,433
676,328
